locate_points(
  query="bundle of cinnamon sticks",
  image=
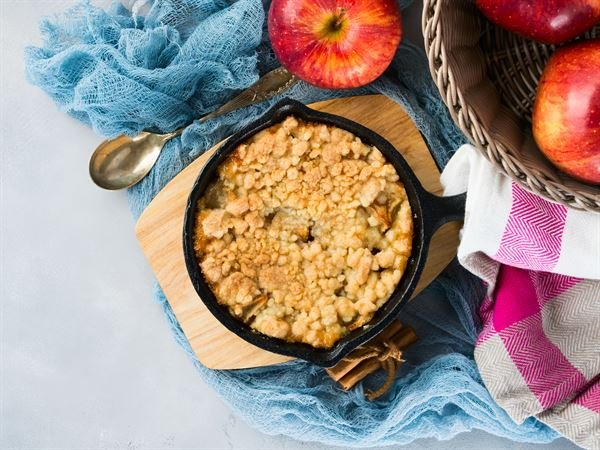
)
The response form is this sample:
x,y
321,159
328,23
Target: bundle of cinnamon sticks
x,y
384,352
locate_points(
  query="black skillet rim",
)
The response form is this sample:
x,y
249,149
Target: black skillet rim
x,y
383,317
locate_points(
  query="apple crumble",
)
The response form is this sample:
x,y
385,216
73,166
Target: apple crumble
x,y
305,232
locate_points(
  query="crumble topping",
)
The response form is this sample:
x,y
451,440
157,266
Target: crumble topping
x,y
305,233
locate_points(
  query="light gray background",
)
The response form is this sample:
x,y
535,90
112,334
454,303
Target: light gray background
x,y
87,359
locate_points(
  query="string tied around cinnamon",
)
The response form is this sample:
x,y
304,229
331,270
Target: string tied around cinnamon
x,y
390,359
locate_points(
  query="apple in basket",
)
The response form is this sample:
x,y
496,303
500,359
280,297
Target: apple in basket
x,y
547,21
335,44
566,114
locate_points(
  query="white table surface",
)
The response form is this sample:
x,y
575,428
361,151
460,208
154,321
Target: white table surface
x,y
87,359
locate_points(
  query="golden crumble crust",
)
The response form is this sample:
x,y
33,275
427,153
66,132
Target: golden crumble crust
x,y
305,233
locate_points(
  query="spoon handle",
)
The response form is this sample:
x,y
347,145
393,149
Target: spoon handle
x,y
269,85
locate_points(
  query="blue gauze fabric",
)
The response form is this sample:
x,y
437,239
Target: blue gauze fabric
x,y
169,62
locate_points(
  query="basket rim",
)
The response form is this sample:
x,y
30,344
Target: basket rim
x,y
467,119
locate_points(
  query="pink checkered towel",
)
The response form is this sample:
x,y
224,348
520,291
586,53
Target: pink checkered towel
x,y
539,351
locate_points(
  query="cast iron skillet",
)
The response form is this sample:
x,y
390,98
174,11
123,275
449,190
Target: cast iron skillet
x,y
429,213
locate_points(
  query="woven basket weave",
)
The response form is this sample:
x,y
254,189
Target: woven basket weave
x,y
488,78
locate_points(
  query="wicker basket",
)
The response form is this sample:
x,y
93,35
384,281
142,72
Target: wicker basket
x,y
488,78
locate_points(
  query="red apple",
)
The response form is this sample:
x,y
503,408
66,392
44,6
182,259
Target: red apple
x,y
547,21
566,114
335,43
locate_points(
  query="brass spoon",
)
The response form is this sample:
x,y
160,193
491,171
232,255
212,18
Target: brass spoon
x,y
121,162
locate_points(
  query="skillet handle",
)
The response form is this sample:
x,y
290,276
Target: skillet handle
x,y
441,210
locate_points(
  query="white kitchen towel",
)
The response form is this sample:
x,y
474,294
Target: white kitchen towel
x,y
574,246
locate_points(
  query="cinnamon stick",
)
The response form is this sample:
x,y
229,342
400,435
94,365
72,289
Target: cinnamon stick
x,y
355,358
385,350
362,371
402,340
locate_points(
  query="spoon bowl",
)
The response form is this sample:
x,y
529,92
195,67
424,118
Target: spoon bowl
x,y
122,162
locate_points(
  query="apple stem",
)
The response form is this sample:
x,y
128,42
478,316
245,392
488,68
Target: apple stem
x,y
339,19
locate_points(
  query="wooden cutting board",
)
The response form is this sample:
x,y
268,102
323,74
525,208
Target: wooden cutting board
x,y
159,231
